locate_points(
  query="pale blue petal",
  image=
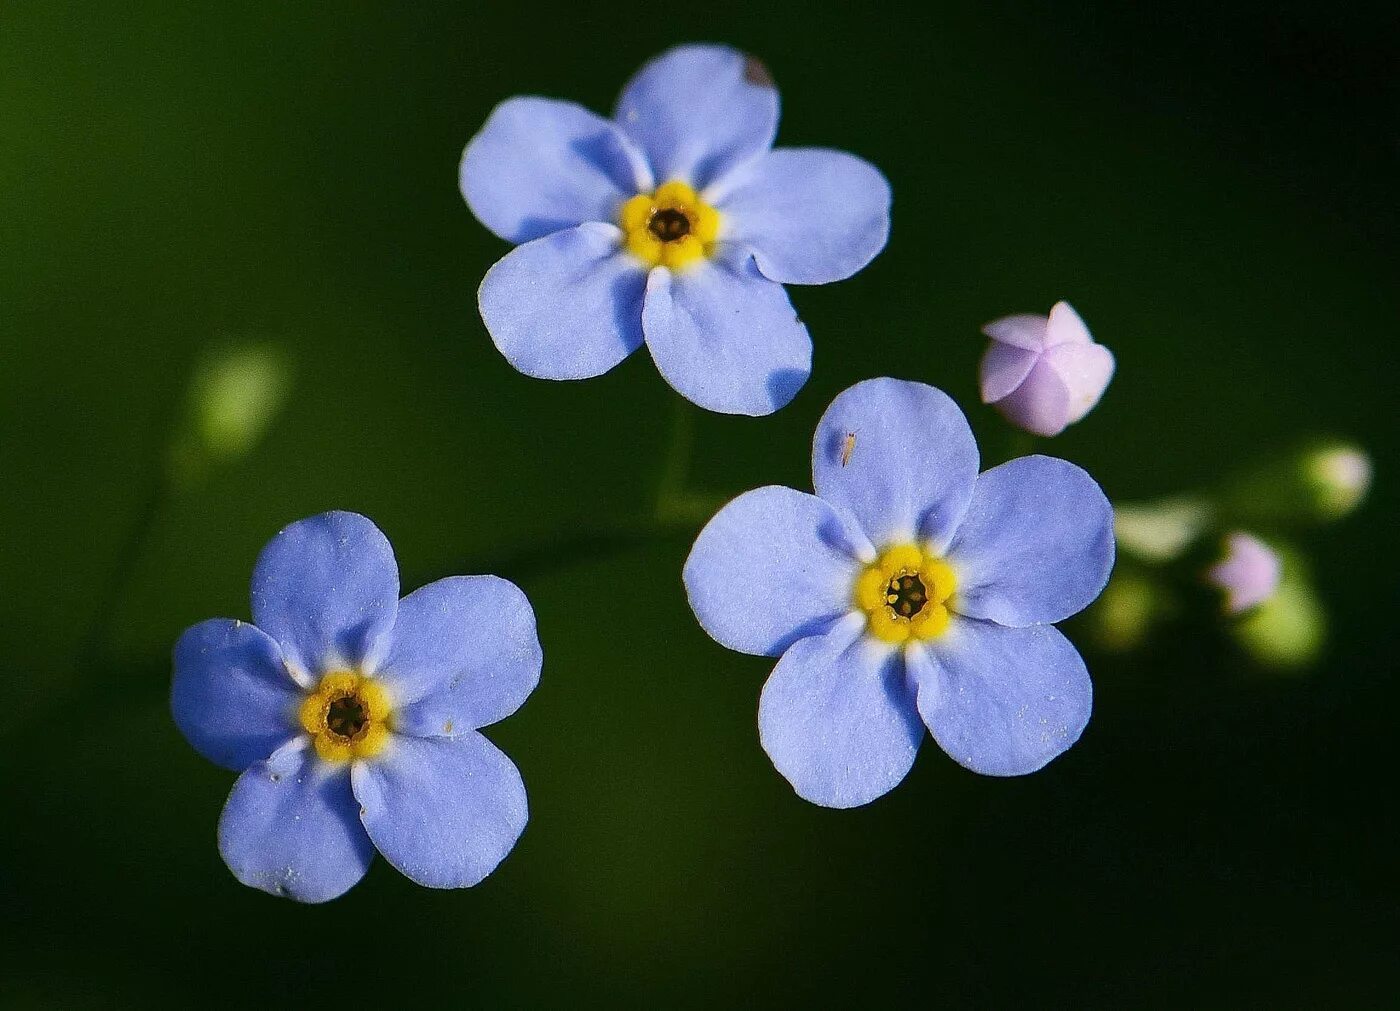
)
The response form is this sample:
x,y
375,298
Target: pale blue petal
x,y
231,696
838,719
900,456
327,589
699,111
1036,545
465,655
567,306
812,216
540,165
444,811
726,337
290,828
1002,701
771,567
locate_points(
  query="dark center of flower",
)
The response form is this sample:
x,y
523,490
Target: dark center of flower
x,y
906,595
346,717
669,224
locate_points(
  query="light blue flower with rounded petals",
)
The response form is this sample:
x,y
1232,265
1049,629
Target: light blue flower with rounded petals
x,y
353,716
673,224
909,592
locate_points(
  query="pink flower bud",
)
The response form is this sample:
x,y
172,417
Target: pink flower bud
x,y
1249,573
1044,373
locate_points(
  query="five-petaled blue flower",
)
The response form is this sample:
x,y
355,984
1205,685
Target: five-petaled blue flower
x,y
910,591
675,224
353,715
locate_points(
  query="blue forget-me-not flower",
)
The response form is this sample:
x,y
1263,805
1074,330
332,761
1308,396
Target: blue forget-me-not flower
x,y
675,224
908,592
353,715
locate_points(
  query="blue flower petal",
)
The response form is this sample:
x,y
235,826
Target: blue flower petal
x,y
231,696
837,718
1002,701
540,165
699,111
567,306
444,811
290,828
1036,545
811,215
773,566
465,655
900,456
327,589
726,337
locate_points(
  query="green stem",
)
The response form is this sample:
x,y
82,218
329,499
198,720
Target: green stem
x,y
675,505
159,489
93,675
675,463
96,641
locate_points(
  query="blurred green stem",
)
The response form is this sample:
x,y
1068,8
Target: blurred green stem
x,y
676,506
675,462
157,483
675,512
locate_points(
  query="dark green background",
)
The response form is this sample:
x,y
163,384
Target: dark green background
x,y
1214,189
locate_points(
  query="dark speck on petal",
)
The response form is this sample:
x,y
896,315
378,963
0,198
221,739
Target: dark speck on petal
x,y
756,73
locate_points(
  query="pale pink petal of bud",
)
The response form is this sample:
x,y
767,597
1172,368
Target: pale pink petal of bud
x,y
1249,573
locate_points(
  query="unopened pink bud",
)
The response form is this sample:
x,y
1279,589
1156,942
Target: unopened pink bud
x,y
1249,573
1044,373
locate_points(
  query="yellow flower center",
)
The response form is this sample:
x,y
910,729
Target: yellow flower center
x,y
669,228
905,593
347,717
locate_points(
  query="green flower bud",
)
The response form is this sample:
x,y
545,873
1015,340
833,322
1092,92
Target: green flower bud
x,y
1319,483
1339,476
1124,614
1159,532
1288,630
234,396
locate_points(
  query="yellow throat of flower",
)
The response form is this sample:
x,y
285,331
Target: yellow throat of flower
x,y
905,593
347,717
669,228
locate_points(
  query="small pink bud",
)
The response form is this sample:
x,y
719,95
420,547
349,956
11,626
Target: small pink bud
x,y
1249,573
1044,373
